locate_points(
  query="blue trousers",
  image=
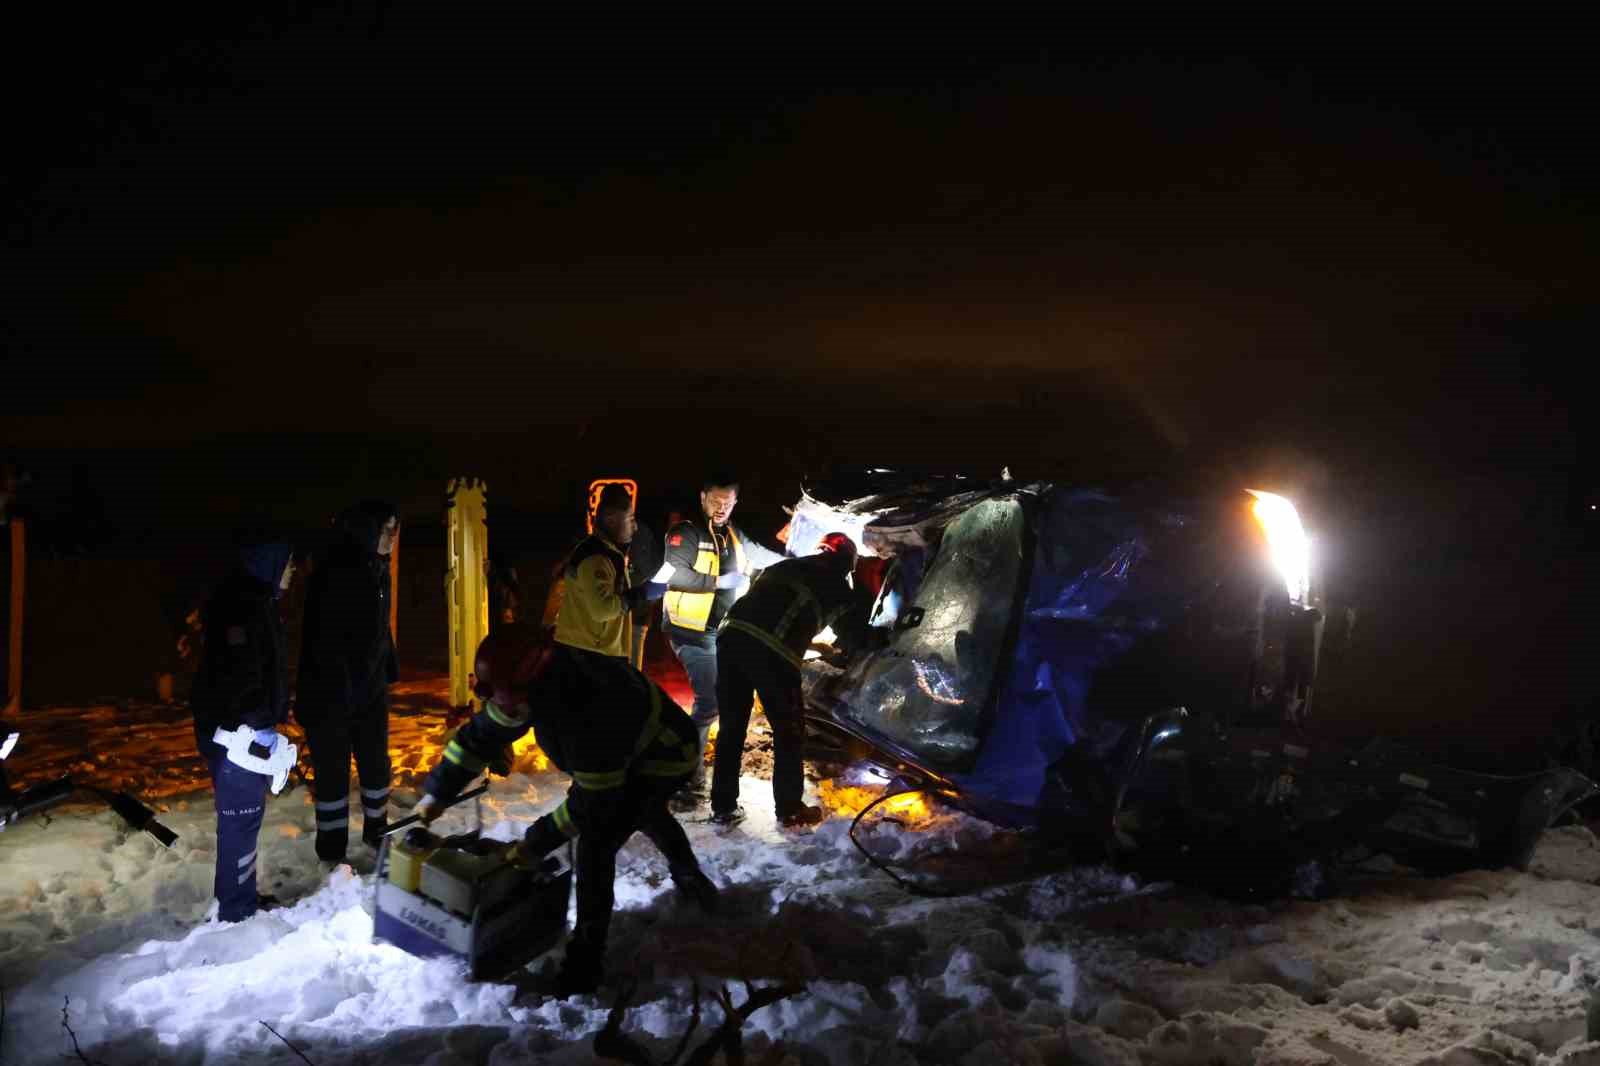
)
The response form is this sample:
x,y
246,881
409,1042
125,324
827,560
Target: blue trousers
x,y
241,798
700,663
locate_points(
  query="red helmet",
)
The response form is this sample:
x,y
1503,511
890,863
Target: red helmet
x,y
839,544
507,662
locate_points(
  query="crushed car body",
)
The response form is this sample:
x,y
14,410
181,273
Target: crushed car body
x,y
1135,664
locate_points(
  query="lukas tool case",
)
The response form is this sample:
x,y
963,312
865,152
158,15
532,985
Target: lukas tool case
x,y
461,896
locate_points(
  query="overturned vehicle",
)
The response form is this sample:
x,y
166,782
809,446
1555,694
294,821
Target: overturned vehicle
x,y
1131,669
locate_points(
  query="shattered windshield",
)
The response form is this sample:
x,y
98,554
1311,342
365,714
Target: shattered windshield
x,y
927,691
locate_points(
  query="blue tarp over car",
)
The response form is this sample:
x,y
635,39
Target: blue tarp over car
x,y
1049,620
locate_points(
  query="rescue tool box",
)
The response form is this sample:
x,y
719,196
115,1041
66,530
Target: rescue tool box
x,y
460,896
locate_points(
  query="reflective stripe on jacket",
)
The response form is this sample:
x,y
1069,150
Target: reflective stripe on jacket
x,y
596,719
790,603
692,610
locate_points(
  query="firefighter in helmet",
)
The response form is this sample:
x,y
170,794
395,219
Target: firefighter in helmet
x,y
759,649
627,748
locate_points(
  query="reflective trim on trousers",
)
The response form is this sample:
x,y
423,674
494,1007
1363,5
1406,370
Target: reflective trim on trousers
x,y
248,860
666,769
247,875
333,823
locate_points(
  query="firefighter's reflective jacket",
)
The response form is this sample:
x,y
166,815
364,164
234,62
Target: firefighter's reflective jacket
x,y
699,554
594,614
793,601
597,719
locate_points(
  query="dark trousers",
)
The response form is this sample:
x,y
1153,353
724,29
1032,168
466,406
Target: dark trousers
x,y
643,810
636,649
746,667
334,737
241,800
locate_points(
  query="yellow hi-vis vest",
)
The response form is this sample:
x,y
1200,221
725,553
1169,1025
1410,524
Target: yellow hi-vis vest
x,y
692,610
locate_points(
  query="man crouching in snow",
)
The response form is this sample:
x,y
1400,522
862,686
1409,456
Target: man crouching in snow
x,y
628,748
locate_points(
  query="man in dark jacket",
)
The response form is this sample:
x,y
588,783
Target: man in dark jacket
x,y
627,747
708,564
240,698
347,663
759,650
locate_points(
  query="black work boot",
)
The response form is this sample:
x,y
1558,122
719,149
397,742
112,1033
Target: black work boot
x,y
693,884
581,968
728,817
688,799
803,815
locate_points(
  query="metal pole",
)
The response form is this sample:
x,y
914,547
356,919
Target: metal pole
x,y
19,575
394,588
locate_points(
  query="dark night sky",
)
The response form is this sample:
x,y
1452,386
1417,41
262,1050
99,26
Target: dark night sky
x,y
449,232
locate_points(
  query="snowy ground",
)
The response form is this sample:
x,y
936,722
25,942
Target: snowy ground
x,y
1079,965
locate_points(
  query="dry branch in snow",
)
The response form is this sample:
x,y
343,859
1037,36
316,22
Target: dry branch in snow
x,y
610,1043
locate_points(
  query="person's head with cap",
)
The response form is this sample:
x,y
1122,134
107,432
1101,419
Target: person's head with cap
x,y
841,548
613,517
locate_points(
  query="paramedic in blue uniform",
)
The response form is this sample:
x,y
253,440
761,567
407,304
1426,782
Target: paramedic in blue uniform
x,y
347,663
243,681
709,561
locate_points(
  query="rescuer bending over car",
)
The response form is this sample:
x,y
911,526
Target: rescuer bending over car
x,y
760,646
627,747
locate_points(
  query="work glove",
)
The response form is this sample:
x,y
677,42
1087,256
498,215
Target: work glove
x,y
268,739
427,809
500,765
729,581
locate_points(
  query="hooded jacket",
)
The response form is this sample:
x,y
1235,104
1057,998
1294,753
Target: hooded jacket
x,y
244,671
347,653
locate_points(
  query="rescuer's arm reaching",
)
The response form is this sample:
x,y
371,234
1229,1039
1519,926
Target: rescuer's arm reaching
x,y
758,555
476,746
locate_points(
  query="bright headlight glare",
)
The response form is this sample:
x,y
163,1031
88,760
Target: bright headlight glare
x,y
1286,541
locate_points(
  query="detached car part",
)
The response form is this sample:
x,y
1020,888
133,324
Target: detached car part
x,y
15,806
